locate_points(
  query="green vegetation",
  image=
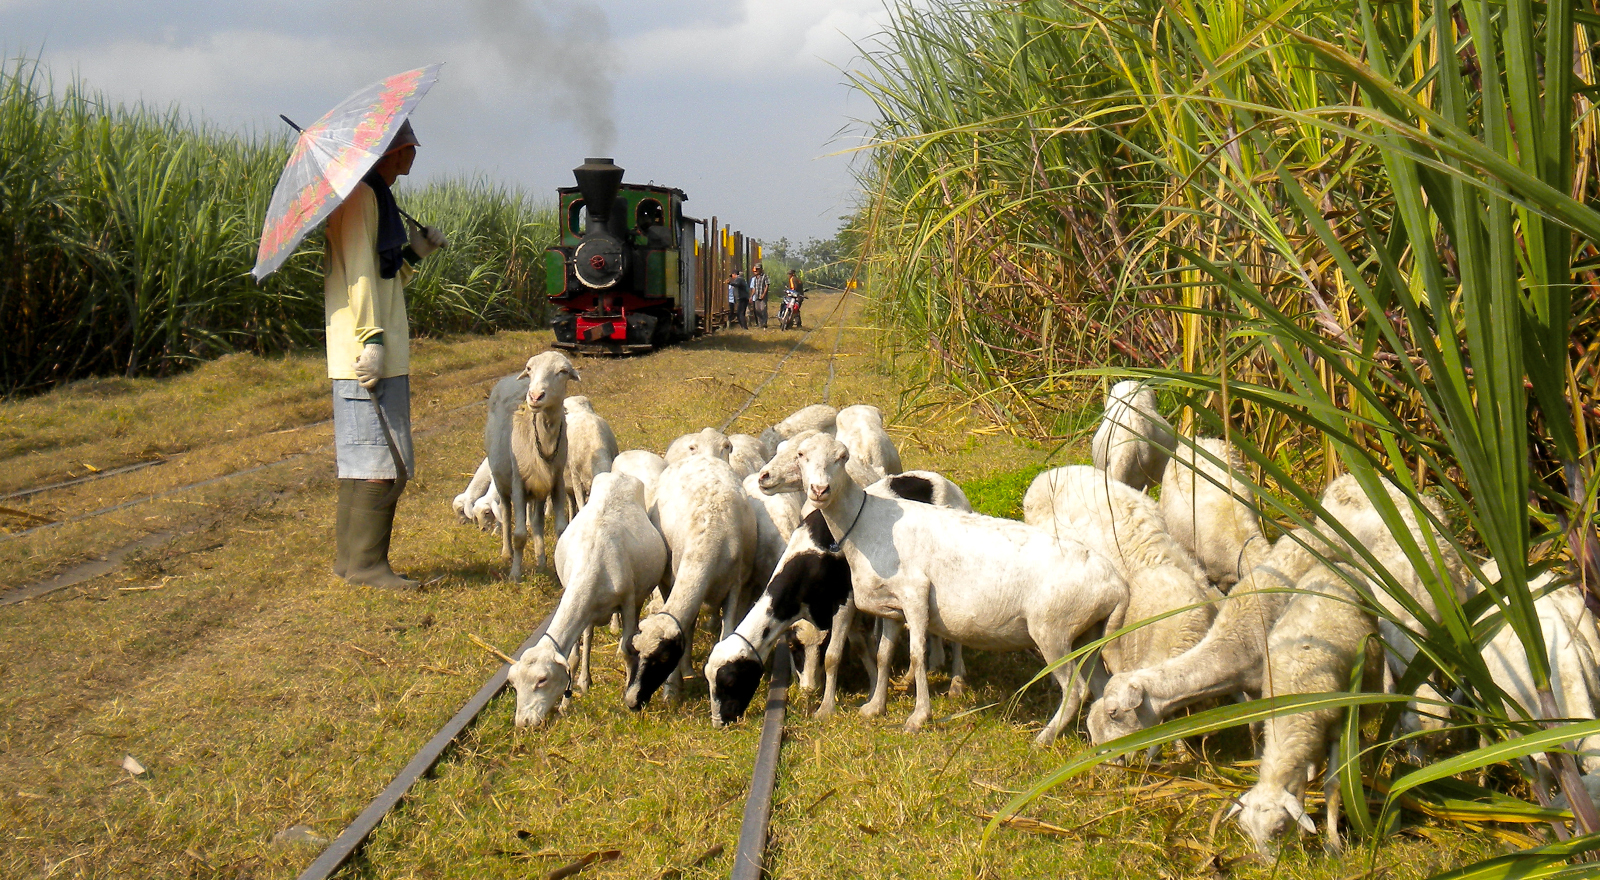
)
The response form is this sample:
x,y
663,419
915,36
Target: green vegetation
x,y
1001,494
1348,235
128,234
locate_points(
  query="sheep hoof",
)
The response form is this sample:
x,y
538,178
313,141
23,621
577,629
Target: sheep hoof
x,y
958,687
871,710
914,723
823,711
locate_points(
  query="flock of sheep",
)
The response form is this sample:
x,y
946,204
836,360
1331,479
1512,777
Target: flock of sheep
x,y
801,528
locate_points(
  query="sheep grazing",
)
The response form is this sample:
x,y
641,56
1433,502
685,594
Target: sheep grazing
x,y
644,466
1227,661
860,429
748,455
591,448
989,583
707,441
705,516
1134,441
1313,648
1209,507
816,417
608,560
526,443
1124,525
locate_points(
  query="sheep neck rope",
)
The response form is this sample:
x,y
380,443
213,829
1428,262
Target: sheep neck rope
x,y
748,643
553,643
538,441
839,542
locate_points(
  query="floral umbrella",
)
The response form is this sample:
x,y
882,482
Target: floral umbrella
x,y
331,157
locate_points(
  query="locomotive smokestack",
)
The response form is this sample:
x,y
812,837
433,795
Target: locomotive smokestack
x,y
598,179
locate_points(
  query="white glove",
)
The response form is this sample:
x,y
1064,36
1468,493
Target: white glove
x,y
426,239
369,365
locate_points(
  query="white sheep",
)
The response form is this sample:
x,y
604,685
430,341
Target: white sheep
x,y
644,466
1314,647
782,474
816,417
1209,507
608,560
1125,526
525,440
591,448
748,456
706,441
1133,441
990,583
860,429
704,514
1227,661
1572,645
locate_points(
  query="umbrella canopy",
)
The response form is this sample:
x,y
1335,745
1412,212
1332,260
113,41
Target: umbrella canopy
x,y
332,156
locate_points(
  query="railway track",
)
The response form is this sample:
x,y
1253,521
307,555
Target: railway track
x,y
750,854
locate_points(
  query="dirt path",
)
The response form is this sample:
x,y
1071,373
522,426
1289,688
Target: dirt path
x,y
263,694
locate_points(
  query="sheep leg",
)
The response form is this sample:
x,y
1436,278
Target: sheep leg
x,y
730,614
811,676
838,641
1331,794
630,656
536,509
917,627
467,500
890,633
559,511
519,529
581,683
936,655
673,687
1068,677
958,671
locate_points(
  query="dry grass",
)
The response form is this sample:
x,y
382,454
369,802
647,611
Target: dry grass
x,y
261,693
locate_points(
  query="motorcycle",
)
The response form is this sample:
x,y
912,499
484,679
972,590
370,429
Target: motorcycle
x,y
789,312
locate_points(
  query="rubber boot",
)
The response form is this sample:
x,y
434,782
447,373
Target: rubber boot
x,y
341,558
371,524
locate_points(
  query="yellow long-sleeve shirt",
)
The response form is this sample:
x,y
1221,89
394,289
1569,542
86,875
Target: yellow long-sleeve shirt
x,y
358,303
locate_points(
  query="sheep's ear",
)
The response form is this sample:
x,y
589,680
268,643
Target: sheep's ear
x,y
523,374
1298,811
571,372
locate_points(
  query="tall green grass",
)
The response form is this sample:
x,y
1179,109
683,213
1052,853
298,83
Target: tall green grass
x,y
1349,235
127,234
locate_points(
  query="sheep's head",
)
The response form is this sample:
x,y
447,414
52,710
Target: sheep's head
x,y
659,644
734,673
542,680
578,403
822,468
1133,393
1266,812
548,374
782,472
707,441
1121,710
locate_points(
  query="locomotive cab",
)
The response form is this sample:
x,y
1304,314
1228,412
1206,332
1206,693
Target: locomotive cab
x,y
617,276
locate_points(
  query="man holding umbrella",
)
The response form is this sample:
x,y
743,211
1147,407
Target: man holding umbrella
x,y
370,256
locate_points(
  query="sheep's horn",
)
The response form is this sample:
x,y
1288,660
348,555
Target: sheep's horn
x,y
1299,814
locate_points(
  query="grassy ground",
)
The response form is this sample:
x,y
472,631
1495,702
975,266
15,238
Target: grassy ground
x,y
263,694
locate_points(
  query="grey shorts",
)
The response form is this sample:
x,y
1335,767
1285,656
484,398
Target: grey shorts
x,y
359,444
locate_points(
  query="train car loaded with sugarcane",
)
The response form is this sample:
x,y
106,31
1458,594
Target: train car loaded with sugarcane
x,y
622,277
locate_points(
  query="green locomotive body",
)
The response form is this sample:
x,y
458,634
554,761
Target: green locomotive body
x,y
622,279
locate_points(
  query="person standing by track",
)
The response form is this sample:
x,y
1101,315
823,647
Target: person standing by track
x,y
758,295
738,300
369,257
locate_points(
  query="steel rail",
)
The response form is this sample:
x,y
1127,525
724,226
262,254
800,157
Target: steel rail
x,y
779,367
355,835
748,859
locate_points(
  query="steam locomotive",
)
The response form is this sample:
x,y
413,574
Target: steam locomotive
x,y
623,276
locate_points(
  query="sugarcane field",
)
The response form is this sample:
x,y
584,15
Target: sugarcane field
x,y
865,438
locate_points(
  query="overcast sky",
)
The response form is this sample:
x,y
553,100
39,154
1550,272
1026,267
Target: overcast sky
x,y
737,102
